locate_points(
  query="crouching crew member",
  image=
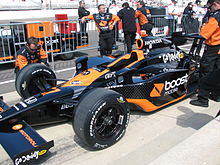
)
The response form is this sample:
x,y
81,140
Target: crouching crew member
x,y
211,58
32,52
105,23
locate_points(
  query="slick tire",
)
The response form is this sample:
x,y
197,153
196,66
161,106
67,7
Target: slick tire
x,y
101,118
32,79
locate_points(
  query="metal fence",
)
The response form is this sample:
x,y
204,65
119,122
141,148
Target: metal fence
x,y
61,38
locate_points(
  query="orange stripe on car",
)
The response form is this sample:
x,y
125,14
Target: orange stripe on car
x,y
147,106
84,79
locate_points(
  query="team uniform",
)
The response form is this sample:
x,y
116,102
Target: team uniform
x,y
210,61
104,23
24,57
129,26
143,16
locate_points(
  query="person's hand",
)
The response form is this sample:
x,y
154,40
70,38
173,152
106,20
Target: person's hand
x,y
83,20
111,27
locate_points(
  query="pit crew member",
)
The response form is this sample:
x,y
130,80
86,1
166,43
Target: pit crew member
x,y
105,23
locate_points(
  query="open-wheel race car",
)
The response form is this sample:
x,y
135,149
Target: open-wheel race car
x,y
98,97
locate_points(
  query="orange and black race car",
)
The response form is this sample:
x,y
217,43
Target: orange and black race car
x,y
98,97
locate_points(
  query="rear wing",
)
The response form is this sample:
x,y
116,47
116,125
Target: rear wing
x,y
22,143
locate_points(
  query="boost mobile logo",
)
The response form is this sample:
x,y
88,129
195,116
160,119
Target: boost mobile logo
x,y
175,83
158,88
169,86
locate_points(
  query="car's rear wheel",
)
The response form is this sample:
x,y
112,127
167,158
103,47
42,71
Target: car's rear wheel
x,y
67,56
33,79
101,118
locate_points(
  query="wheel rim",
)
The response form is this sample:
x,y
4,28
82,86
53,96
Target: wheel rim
x,y
38,84
109,123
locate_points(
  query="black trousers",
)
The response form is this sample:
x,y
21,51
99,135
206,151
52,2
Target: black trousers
x,y
148,27
129,40
209,73
209,83
172,26
106,42
82,27
210,60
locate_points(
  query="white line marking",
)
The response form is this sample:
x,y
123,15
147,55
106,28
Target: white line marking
x,y
63,70
58,71
6,82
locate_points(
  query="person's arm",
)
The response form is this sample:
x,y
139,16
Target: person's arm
x,y
115,19
21,61
137,14
90,17
208,29
119,14
43,56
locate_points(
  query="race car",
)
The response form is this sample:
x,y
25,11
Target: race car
x,y
98,97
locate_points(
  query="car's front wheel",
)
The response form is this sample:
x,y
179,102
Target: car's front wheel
x,y
101,118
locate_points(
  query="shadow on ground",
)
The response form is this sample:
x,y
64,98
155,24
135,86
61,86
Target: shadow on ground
x,y
192,119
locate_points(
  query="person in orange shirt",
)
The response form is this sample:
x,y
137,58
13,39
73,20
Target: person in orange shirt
x,y
142,14
105,23
210,61
32,52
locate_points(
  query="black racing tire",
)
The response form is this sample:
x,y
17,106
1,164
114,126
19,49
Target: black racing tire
x,y
218,114
67,56
31,80
101,118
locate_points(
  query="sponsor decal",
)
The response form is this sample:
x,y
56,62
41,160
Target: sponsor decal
x,y
16,107
120,79
23,104
156,41
17,127
24,85
42,152
65,106
169,87
31,141
75,82
170,57
108,84
157,90
52,41
26,158
79,66
86,73
121,119
110,75
121,100
172,86
31,100
39,70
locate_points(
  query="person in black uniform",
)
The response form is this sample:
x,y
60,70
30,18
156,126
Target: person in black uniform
x,y
127,14
81,13
189,23
105,23
210,61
